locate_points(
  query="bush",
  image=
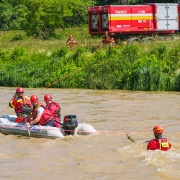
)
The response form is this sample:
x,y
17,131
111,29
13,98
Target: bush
x,y
18,37
60,52
124,67
17,53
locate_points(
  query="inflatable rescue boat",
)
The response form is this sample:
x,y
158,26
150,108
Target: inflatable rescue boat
x,y
69,127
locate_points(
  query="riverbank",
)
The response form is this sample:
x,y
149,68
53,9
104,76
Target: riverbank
x,y
144,67
12,39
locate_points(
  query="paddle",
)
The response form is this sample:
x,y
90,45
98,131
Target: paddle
x,y
130,138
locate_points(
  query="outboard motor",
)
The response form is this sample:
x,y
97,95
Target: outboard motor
x,y
70,123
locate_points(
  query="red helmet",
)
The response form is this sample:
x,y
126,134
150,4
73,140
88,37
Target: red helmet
x,y
19,90
158,129
106,32
34,98
70,35
47,97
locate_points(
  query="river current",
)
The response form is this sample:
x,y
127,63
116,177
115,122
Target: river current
x,y
104,156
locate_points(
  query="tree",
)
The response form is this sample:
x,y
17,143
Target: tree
x,y
79,13
130,2
44,16
12,16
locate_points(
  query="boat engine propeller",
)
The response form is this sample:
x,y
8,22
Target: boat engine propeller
x,y
69,124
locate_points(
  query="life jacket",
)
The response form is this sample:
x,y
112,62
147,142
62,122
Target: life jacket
x,y
46,115
113,42
22,105
55,109
106,40
161,144
71,42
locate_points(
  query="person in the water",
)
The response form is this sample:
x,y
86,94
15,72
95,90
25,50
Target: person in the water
x,y
159,143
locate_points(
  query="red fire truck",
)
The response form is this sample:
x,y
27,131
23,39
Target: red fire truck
x,y
134,23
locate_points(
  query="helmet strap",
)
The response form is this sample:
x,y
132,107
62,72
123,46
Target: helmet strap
x,y
158,136
35,106
19,94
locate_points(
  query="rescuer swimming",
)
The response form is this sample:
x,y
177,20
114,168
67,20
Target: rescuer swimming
x,y
159,143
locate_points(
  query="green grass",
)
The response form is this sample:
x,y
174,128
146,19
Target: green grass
x,y
35,63
80,35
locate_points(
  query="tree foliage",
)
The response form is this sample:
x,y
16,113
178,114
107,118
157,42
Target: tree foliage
x,y
44,16
12,15
40,18
131,2
136,67
79,13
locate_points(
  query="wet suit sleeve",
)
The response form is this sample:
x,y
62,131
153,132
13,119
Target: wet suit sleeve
x,y
152,145
12,103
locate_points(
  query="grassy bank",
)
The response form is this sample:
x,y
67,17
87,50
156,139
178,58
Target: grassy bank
x,y
11,39
37,63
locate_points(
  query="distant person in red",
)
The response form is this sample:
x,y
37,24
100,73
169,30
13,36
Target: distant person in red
x,y
21,104
108,40
54,108
71,42
159,143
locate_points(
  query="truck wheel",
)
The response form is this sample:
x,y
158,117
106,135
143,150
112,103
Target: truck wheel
x,y
134,41
148,40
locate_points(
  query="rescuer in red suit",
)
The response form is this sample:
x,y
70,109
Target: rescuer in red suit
x,y
41,115
159,143
21,104
71,42
108,40
54,109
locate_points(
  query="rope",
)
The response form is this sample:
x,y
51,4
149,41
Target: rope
x,y
88,44
4,109
100,132
77,71
72,72
34,128
152,128
82,45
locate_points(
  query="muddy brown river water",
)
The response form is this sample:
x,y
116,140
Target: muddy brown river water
x,y
102,156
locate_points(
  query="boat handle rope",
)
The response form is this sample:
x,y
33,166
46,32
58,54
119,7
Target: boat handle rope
x,y
100,132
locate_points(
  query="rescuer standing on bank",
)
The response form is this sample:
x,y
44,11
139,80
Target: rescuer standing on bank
x,y
71,42
108,40
159,143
